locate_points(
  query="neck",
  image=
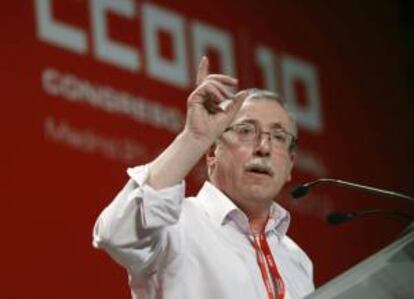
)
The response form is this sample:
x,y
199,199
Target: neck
x,y
256,212
258,222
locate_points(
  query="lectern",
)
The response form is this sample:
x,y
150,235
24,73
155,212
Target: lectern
x,y
388,274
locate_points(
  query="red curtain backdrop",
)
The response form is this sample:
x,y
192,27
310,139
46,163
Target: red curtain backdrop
x,y
90,88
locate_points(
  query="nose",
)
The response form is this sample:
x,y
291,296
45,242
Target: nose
x,y
264,146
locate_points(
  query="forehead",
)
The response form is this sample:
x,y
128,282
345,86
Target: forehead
x,y
265,112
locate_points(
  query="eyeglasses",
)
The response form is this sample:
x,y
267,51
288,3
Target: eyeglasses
x,y
279,137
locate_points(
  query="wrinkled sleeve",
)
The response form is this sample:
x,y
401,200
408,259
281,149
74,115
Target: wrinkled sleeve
x,y
139,227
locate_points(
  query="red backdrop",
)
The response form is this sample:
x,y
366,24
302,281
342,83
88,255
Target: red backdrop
x,y
91,87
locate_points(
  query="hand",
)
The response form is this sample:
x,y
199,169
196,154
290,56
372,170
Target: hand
x,y
207,117
205,122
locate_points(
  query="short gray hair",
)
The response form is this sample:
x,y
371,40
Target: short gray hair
x,y
259,94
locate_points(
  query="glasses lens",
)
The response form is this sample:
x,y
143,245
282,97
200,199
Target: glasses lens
x,y
280,137
245,132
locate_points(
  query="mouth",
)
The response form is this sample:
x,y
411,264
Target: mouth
x,y
260,167
260,170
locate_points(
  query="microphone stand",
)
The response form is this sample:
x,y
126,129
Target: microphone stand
x,y
337,218
342,217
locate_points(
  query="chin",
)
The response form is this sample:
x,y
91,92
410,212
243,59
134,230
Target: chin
x,y
262,193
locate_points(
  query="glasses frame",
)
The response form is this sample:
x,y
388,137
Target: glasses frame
x,y
259,132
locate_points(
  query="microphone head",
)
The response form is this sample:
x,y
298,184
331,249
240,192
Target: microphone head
x,y
338,218
300,191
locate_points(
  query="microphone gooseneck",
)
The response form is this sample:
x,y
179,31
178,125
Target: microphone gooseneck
x,y
303,189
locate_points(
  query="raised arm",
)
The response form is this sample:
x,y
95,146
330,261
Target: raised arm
x,y
205,121
134,226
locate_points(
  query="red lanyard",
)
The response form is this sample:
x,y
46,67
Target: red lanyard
x,y
262,248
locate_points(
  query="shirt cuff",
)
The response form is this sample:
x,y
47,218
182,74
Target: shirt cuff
x,y
157,208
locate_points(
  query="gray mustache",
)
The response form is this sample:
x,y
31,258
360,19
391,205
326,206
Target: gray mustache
x,y
261,164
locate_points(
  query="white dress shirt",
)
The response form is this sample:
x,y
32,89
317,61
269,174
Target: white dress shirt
x,y
194,248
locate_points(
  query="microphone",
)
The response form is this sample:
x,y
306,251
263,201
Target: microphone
x,y
342,217
303,189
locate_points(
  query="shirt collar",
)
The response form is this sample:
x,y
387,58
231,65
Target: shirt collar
x,y
216,203
220,208
279,220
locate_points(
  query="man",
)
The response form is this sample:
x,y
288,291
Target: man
x,y
230,241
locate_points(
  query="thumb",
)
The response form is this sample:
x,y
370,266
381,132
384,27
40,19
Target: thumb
x,y
236,104
230,111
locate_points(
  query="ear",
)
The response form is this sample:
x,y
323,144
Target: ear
x,y
211,158
292,159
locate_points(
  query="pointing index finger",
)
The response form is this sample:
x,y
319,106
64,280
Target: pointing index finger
x,y
202,71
